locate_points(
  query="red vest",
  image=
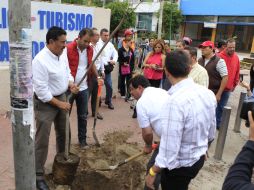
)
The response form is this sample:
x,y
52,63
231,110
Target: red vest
x,y
73,57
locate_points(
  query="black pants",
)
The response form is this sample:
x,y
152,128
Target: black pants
x,y
93,94
149,165
179,179
155,83
124,79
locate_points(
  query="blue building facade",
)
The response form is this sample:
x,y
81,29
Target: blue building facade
x,y
219,19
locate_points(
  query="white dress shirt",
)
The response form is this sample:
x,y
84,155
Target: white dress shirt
x,y
82,69
188,123
98,63
108,53
51,74
149,108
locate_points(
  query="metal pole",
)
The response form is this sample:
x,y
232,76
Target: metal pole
x,y
160,19
170,22
21,94
222,133
237,118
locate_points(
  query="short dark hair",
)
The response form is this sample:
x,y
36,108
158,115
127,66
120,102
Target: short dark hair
x,y
192,50
103,30
54,32
178,63
221,43
182,42
84,32
139,80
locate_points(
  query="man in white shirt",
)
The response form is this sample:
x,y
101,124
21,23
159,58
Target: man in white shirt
x,y
188,126
197,73
108,57
150,102
80,55
51,79
100,69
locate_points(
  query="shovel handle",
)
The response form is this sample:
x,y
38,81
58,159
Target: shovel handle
x,y
134,157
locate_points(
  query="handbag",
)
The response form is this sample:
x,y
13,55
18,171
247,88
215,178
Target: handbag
x,y
125,70
108,68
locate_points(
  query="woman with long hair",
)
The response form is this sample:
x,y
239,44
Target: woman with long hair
x,y
154,62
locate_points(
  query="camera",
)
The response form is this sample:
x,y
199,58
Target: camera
x,y
143,46
248,105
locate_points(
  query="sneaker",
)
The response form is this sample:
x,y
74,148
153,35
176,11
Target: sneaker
x,y
110,106
123,97
83,145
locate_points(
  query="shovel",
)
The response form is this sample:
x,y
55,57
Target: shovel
x,y
95,116
123,162
154,146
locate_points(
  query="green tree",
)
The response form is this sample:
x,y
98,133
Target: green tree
x,y
118,10
175,19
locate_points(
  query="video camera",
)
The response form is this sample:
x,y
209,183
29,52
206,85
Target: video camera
x,y
248,105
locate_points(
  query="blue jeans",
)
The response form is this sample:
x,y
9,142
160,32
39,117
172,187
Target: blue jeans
x,y
223,102
109,89
82,104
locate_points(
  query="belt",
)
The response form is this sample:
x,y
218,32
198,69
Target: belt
x,y
36,97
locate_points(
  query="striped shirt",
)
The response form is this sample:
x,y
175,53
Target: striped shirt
x,y
188,124
199,75
221,67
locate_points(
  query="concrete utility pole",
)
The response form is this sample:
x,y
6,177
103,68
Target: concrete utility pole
x,y
160,19
22,93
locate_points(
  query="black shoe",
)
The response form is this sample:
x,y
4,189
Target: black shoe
x,y
41,185
83,145
110,106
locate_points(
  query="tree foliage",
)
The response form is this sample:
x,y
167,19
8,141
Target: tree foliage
x,y
118,9
177,19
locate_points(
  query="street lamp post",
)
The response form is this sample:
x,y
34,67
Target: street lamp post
x,y
160,19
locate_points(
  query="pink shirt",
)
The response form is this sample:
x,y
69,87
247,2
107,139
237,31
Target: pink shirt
x,y
150,73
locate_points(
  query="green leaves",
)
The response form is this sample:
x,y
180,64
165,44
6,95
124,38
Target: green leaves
x,y
118,10
171,16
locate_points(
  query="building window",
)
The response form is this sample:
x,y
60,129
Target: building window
x,y
145,21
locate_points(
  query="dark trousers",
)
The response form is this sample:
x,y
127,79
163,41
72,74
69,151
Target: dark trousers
x,y
109,89
223,102
155,83
124,81
179,178
82,104
93,93
45,115
149,165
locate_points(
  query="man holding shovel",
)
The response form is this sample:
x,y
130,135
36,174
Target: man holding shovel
x,y
149,105
51,80
80,55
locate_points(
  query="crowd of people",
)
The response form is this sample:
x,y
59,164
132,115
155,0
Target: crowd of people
x,y
179,96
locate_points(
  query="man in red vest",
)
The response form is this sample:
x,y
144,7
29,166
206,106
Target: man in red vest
x,y
80,56
233,66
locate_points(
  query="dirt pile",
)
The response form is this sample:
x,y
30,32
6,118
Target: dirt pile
x,y
114,149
